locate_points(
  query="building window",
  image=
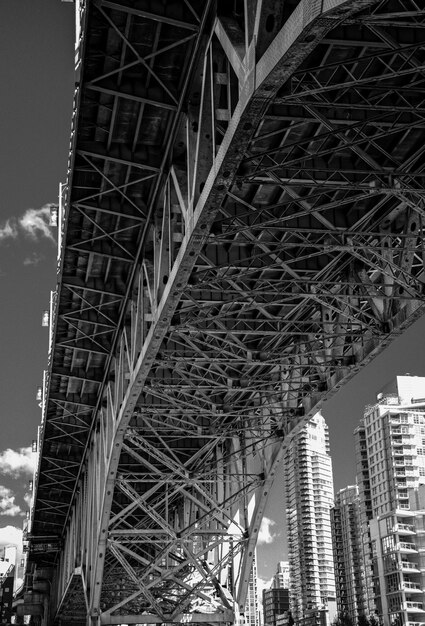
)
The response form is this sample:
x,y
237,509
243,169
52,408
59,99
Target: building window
x,y
393,583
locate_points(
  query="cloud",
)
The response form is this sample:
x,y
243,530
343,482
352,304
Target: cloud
x,y
7,503
28,499
34,259
265,535
8,231
17,462
36,223
262,584
11,535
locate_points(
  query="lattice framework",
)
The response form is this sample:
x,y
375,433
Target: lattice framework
x,y
243,232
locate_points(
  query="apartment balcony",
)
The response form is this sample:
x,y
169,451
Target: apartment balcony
x,y
411,587
406,546
401,473
408,451
399,459
403,497
407,566
413,607
400,441
403,452
404,513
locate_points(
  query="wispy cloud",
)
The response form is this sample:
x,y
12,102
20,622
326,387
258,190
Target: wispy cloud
x,y
34,223
266,535
8,505
8,230
34,259
262,584
28,499
17,462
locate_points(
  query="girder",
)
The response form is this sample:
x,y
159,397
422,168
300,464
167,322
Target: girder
x,y
243,231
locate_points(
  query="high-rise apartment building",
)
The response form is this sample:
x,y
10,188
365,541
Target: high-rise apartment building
x,y
309,497
281,578
390,445
275,605
398,540
348,554
365,513
276,599
251,606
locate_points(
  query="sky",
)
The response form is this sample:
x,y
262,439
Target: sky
x,y
36,68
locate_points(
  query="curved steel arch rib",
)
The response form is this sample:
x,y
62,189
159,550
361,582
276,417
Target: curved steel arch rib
x,y
232,256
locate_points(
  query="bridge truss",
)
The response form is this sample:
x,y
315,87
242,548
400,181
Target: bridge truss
x,y
242,232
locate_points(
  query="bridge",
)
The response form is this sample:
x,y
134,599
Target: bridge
x,y
241,232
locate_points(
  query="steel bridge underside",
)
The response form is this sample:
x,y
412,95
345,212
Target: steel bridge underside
x,y
243,231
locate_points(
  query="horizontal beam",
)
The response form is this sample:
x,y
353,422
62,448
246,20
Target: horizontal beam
x,y
155,17
85,247
129,96
86,347
79,374
109,156
96,285
182,618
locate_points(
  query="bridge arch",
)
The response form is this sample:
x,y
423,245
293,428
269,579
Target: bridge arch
x,y
242,231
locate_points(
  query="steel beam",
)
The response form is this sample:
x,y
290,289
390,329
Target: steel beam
x,y
269,253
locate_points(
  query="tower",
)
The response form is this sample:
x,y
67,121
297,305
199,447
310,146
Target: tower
x,y
365,514
391,453
251,605
309,497
281,578
276,599
348,554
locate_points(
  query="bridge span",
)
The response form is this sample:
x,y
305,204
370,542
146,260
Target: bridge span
x,y
241,232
